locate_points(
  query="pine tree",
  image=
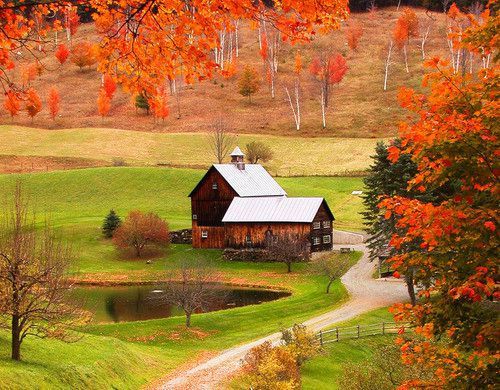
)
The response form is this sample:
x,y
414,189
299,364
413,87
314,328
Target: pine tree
x,y
110,224
141,101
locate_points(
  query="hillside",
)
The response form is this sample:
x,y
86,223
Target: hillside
x,y
359,107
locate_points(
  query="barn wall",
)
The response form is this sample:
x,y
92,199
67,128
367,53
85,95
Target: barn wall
x,y
321,216
215,237
210,205
236,232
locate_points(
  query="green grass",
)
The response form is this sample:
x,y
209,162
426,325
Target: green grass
x,y
293,156
325,370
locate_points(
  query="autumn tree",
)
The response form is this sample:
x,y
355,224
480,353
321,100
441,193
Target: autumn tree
x,y
62,53
328,69
453,138
220,139
33,103
33,285
109,86
160,106
288,249
83,54
12,103
191,286
248,83
258,151
53,102
103,103
269,48
140,230
331,266
406,28
353,34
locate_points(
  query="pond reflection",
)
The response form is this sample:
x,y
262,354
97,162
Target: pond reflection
x,y
145,302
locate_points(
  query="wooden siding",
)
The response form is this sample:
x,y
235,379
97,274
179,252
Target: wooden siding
x,y
236,233
214,239
208,204
322,215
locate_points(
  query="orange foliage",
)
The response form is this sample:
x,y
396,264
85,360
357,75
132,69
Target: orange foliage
x,y
159,106
109,86
33,103
139,230
406,27
103,103
454,141
353,34
12,103
62,53
29,73
53,102
83,54
330,70
298,63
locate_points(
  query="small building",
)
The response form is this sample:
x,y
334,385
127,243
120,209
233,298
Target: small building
x,y
240,205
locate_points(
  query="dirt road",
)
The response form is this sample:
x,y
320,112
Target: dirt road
x,y
366,294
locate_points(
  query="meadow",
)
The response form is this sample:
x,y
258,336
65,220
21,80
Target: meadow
x,y
293,156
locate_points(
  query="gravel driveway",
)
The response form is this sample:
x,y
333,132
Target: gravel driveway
x,y
366,294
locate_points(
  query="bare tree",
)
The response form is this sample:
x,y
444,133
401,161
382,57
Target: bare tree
x,y
332,266
288,249
388,63
191,286
33,267
220,139
257,150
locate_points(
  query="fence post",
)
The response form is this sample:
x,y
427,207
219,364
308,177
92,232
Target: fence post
x,y
358,331
383,328
337,332
321,337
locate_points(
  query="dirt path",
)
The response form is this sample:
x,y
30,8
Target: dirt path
x,y
366,294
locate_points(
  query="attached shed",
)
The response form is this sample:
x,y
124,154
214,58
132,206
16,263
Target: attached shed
x,y
252,222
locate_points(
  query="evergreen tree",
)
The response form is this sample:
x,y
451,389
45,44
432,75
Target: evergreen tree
x,y
141,101
387,179
248,83
110,224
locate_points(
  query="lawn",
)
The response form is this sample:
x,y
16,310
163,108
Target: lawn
x,y
76,202
325,370
293,156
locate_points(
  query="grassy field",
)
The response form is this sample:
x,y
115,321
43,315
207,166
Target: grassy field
x,y
359,106
127,355
293,156
324,371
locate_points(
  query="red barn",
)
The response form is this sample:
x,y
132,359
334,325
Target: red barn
x,y
240,205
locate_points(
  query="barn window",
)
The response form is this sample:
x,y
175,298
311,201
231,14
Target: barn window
x,y
316,240
204,234
195,216
316,225
326,224
327,239
214,186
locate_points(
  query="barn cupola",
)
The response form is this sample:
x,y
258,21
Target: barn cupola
x,y
237,158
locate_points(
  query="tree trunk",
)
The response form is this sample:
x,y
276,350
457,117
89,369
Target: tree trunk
x,y
289,267
188,319
387,63
411,287
328,286
406,59
16,338
138,251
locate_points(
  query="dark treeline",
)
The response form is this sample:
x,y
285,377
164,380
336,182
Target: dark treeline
x,y
433,5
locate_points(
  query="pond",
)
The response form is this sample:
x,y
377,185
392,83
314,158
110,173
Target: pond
x,y
146,302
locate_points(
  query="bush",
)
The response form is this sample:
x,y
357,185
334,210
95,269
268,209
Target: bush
x,y
83,54
140,230
110,224
141,102
302,342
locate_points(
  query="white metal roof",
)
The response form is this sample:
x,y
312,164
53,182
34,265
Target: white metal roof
x,y
272,209
254,180
237,152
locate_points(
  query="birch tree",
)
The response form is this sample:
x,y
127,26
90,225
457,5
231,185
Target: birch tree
x,y
406,28
295,100
388,63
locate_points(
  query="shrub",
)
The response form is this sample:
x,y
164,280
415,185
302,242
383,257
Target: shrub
x,y
302,342
141,102
83,54
140,230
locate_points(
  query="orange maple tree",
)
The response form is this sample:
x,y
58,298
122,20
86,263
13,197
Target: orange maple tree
x,y
83,54
454,141
406,28
12,103
109,86
53,102
33,103
62,53
353,34
103,103
159,106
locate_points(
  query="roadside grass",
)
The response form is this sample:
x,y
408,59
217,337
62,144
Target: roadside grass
x,y
323,372
293,155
